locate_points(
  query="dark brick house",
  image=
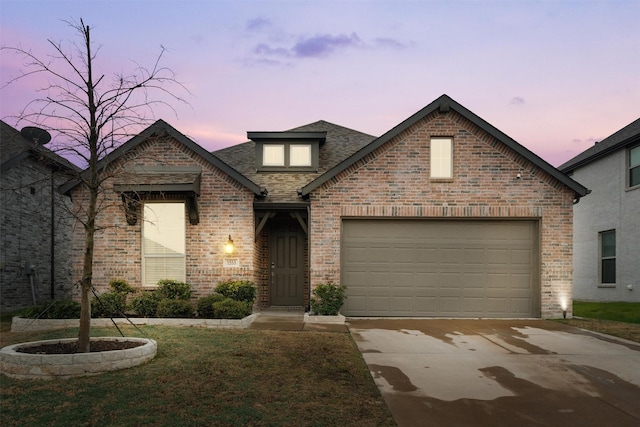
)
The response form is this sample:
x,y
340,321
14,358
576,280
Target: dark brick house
x,y
443,215
35,229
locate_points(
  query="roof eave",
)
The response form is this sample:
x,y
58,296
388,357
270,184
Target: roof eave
x,y
443,104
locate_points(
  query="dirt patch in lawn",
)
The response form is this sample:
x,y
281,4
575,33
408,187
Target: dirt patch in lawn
x,y
629,331
72,347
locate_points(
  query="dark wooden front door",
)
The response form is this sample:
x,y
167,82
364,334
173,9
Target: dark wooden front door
x,y
287,265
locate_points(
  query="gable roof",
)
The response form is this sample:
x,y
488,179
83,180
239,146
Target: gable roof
x,y
443,104
14,148
340,142
160,127
621,139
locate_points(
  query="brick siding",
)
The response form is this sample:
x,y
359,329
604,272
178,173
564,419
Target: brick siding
x,y
225,207
394,181
25,227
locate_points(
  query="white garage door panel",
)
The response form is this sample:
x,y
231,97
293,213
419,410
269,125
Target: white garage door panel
x,y
440,268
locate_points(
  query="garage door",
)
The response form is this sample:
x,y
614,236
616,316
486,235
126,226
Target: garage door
x,y
440,268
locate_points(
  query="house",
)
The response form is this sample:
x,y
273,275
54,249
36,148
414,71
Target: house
x,y
607,223
35,229
443,215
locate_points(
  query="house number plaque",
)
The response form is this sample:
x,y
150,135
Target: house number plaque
x,y
231,262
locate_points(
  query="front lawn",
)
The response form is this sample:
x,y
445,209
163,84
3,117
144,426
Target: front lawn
x,y
208,377
619,311
620,319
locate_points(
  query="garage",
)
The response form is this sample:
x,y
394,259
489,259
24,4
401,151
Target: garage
x,y
440,268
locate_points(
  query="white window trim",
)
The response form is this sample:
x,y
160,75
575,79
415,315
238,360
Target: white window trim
x,y
441,158
179,251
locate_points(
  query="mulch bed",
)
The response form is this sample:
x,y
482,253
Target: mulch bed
x,y
72,347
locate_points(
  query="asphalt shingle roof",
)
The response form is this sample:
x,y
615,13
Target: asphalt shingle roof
x,y
340,143
629,134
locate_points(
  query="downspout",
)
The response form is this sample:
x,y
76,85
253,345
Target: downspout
x,y
52,242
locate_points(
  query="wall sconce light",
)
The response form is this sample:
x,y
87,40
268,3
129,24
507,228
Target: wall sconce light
x,y
228,247
519,175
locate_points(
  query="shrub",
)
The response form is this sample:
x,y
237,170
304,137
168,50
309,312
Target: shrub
x,y
121,286
109,304
173,289
146,304
239,290
59,309
327,299
231,309
205,305
174,308
113,303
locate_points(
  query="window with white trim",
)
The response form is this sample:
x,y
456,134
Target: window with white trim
x,y
634,166
608,257
300,155
441,150
163,242
273,155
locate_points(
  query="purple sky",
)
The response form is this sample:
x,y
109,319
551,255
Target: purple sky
x,y
554,75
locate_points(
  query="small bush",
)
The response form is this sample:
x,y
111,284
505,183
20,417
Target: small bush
x,y
239,290
174,308
327,299
60,309
121,286
231,309
146,304
173,289
205,305
109,304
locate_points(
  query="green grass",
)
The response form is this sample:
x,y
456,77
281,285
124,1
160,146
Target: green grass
x,y
628,312
208,377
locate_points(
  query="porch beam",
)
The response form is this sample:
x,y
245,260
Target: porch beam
x,y
297,216
263,222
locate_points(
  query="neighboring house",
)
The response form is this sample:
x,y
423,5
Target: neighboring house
x,y
444,215
35,229
606,238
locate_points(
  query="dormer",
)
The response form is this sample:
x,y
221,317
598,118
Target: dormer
x,y
287,151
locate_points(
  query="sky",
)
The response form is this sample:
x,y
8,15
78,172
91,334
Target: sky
x,y
556,76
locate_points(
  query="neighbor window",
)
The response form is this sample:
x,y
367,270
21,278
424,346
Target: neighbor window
x,y
608,256
634,166
163,242
441,158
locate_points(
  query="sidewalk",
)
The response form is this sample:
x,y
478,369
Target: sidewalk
x,y
291,320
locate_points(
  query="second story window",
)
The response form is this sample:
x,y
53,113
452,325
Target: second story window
x,y
287,151
441,157
634,166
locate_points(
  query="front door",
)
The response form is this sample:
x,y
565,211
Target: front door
x,y
287,265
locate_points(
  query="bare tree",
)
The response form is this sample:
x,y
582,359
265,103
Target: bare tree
x,y
92,114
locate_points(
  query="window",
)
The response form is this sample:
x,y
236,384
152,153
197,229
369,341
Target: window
x,y
287,157
608,256
441,158
273,155
634,166
300,155
163,242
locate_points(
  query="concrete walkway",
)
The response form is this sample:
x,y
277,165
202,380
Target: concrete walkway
x,y
291,320
500,373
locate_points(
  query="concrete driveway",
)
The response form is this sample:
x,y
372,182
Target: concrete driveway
x,y
500,373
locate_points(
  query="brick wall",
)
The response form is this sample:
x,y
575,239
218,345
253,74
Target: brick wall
x,y
225,207
25,227
394,181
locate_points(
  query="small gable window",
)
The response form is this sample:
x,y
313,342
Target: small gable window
x,y
300,155
634,166
273,155
289,151
441,165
